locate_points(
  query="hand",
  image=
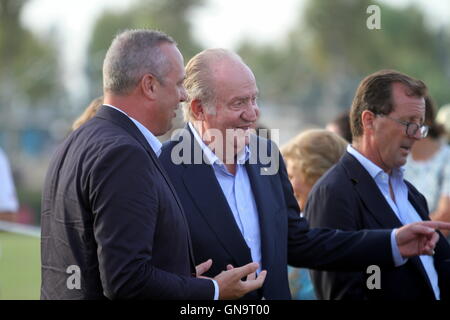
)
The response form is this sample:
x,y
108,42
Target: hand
x,y
202,268
231,285
419,238
442,212
251,276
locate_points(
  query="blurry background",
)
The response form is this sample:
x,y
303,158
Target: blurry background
x,y
307,55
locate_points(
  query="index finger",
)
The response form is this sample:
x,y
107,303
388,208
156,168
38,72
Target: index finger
x,y
437,225
203,267
243,271
257,283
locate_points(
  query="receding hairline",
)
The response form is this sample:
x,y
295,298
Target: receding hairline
x,y
215,61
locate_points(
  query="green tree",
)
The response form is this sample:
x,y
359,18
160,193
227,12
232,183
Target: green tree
x,y
341,43
29,67
170,16
330,49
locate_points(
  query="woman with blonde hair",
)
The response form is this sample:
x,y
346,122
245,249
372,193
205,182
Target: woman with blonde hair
x,y
88,113
308,156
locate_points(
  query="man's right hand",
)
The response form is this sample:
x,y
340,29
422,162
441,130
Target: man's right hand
x,y
231,285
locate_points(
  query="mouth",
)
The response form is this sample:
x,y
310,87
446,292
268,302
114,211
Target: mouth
x,y
245,127
405,148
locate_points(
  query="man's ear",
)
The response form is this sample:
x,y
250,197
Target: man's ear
x,y
149,86
367,120
198,110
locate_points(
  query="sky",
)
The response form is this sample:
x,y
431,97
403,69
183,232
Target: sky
x,y
220,23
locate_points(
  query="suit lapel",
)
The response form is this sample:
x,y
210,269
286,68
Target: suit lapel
x,y
368,191
267,208
413,199
423,214
122,120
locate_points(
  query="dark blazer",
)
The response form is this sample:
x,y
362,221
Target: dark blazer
x,y
285,237
109,208
347,197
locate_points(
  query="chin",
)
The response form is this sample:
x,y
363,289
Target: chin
x,y
400,163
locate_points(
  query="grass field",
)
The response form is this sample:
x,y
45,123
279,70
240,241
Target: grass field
x,y
20,274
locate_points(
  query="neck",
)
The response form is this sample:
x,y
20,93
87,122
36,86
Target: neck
x,y
135,107
363,146
218,144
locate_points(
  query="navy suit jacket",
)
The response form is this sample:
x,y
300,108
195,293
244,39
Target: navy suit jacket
x,y
285,237
347,198
109,209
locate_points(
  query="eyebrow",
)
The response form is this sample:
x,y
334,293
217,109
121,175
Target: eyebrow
x,y
237,98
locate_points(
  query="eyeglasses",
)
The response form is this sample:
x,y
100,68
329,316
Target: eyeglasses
x,y
411,127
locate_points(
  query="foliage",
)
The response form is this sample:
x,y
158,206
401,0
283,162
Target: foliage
x,y
330,50
29,68
170,16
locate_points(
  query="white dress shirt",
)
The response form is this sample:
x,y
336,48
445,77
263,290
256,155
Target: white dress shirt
x,y
8,198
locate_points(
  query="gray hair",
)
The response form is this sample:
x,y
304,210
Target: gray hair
x,y
199,78
132,54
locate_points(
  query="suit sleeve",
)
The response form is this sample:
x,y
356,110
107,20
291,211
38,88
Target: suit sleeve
x,y
328,249
125,204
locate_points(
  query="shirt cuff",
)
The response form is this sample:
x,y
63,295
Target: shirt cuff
x,y
216,289
398,259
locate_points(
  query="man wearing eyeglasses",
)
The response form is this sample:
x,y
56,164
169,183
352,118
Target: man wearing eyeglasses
x,y
366,190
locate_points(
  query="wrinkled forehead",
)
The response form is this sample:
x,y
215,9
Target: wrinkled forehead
x,y
234,78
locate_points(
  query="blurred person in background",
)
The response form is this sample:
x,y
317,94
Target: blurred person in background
x,y
88,113
428,167
9,205
341,126
308,156
443,118
366,190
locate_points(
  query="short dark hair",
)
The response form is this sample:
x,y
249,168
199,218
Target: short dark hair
x,y
342,121
374,93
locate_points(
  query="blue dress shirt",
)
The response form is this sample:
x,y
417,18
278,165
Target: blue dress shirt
x,y
238,192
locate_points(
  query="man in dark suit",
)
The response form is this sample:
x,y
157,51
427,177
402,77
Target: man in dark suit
x,y
112,224
238,199
366,190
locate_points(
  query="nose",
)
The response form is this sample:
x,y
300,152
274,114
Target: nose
x,y
251,114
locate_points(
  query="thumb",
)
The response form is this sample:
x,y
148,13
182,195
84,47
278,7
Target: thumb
x,y
203,267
